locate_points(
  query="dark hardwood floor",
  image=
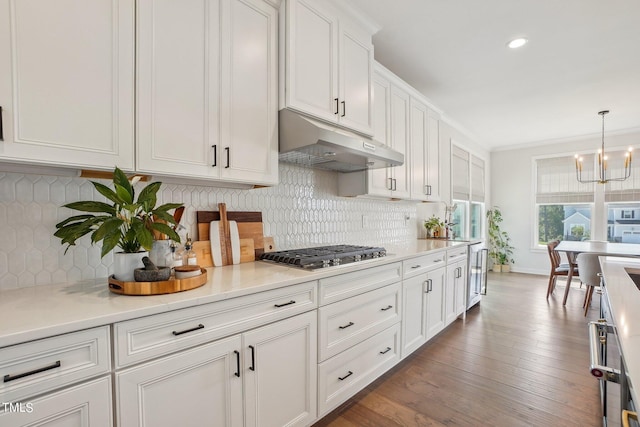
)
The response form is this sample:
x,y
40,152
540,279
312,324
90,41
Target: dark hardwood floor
x,y
517,360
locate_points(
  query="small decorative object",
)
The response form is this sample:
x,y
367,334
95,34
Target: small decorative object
x,y
187,271
150,272
500,248
433,226
127,222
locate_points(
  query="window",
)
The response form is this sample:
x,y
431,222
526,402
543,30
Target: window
x,y
468,189
623,222
565,208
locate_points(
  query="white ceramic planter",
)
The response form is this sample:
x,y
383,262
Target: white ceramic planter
x,y
125,263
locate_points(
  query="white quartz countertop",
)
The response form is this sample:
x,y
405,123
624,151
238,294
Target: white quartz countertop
x,y
36,312
624,299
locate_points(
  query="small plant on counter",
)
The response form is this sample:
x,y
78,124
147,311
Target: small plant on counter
x,y
500,248
127,222
432,225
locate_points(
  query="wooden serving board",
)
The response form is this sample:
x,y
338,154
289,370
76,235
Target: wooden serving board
x,y
249,227
157,288
202,248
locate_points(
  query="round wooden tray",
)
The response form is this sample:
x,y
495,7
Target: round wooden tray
x,y
157,288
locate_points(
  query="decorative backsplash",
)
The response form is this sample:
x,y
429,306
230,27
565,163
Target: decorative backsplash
x,y
303,210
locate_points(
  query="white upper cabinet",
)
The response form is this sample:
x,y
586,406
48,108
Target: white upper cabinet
x,y
209,111
424,159
328,65
66,82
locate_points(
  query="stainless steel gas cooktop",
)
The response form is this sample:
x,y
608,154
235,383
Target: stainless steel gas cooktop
x,y
324,256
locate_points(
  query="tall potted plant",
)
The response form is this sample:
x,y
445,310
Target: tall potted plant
x,y
126,222
500,248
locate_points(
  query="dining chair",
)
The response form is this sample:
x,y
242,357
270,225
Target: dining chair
x,y
589,268
557,268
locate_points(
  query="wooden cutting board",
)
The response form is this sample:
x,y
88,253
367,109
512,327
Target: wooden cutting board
x,y
249,227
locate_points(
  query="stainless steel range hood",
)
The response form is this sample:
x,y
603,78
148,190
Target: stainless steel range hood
x,y
309,142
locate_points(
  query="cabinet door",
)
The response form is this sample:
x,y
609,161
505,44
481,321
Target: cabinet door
x,y
418,160
414,312
400,141
432,164
356,73
378,179
280,374
66,82
196,387
311,60
249,103
455,292
86,405
436,302
461,288
178,100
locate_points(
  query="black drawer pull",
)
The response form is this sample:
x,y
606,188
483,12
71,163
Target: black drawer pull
x,y
227,149
215,156
1,131
386,308
176,333
346,326
386,351
286,303
237,374
416,266
346,376
8,378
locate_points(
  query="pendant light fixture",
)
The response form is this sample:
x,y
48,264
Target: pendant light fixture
x,y
602,163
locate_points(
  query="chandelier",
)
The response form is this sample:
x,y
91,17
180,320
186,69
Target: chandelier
x,y
602,163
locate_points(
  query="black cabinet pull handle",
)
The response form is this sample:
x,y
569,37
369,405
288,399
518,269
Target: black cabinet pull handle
x,y
54,365
337,107
386,351
416,266
346,376
176,333
237,374
286,303
386,308
426,283
390,183
227,149
344,108
253,358
215,156
346,326
1,131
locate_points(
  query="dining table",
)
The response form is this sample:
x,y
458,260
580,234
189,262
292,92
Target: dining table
x,y
573,248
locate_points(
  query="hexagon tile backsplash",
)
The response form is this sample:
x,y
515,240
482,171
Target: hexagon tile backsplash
x,y
303,210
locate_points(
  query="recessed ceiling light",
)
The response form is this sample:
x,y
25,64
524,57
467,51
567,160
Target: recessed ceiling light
x,y
516,43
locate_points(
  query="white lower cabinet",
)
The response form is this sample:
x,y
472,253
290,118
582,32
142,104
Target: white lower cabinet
x,y
196,387
84,405
263,377
455,290
345,374
280,372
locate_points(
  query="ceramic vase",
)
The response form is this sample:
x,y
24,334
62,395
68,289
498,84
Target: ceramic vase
x,y
124,264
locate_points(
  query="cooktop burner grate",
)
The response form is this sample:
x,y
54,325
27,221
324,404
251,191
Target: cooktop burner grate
x,y
324,256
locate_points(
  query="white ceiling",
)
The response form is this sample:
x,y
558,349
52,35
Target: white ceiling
x,y
583,56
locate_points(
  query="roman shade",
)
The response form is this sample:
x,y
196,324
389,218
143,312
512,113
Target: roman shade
x,y
621,191
477,179
460,173
556,181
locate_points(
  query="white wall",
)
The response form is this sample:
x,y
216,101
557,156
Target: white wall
x,y
512,190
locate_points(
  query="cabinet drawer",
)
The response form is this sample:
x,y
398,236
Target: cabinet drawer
x,y
147,337
345,374
418,265
355,319
456,254
347,285
38,366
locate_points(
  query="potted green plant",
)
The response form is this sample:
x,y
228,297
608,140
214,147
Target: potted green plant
x,y
500,248
433,226
126,222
